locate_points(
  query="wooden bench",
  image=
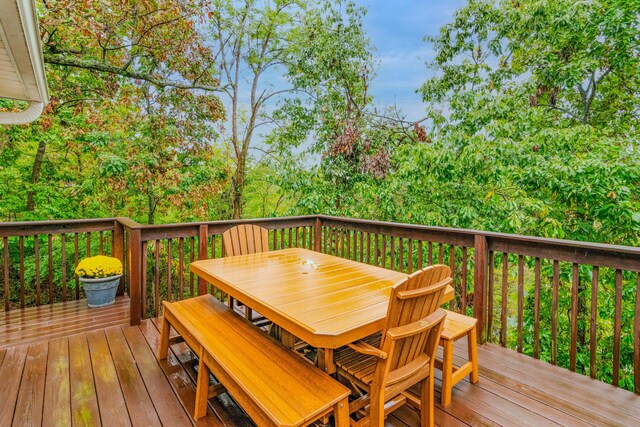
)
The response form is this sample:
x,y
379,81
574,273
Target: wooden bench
x,y
272,384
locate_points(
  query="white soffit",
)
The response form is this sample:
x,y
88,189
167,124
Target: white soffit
x,y
22,74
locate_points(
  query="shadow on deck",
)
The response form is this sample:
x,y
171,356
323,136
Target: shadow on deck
x,y
81,373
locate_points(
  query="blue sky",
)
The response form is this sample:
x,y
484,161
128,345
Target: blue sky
x,y
397,29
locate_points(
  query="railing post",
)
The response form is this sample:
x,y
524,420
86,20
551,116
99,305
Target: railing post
x,y
480,266
118,249
135,276
203,238
317,235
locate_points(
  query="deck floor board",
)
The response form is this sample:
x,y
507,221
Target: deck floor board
x,y
105,373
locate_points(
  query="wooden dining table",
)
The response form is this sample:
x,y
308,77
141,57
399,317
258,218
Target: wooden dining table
x,y
324,300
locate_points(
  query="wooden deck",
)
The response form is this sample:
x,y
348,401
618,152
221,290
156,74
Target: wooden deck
x,y
59,320
110,377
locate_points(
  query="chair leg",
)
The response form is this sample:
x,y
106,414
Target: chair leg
x,y
202,390
447,372
376,410
427,403
163,348
473,355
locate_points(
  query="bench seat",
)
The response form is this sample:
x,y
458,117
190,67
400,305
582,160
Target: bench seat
x,y
270,382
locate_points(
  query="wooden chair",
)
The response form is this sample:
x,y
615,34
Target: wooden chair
x,y
245,239
384,367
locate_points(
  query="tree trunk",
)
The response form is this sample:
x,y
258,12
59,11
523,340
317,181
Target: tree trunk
x,y
35,175
237,196
151,205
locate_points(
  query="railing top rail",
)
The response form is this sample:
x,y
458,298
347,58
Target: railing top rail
x,y
30,228
501,238
18,224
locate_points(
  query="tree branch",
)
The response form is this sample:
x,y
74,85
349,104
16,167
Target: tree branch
x,y
92,64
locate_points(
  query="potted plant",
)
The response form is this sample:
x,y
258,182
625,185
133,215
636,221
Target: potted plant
x,y
100,277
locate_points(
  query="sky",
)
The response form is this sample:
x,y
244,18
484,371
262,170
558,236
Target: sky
x,y
397,30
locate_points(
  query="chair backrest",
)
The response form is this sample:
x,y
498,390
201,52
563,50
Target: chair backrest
x,y
413,327
245,239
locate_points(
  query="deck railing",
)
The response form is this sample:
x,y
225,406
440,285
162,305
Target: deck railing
x,y
573,304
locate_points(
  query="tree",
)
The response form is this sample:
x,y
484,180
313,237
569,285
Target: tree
x,y
290,40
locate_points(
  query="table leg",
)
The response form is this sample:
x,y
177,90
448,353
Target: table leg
x,y
287,339
325,360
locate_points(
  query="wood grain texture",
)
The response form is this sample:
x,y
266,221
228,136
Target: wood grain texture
x,y
57,396
113,409
324,300
31,395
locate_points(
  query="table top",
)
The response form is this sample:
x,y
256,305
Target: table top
x,y
322,299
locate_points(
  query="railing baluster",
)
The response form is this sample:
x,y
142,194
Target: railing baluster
x,y
50,266
156,280
377,254
355,246
191,259
554,313
36,256
536,312
503,312
75,260
616,330
400,254
143,280
21,244
575,282
169,290
63,256
349,244
5,241
452,259
410,256
282,239
594,318
290,237
420,265
89,244
181,264
384,251
368,248
520,300
303,238
392,253
490,288
463,284
636,340
430,252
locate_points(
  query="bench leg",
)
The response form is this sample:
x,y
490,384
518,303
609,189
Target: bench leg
x,y
447,373
341,413
202,390
164,339
473,355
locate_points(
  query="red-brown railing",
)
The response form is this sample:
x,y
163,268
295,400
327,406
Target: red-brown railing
x,y
39,258
574,304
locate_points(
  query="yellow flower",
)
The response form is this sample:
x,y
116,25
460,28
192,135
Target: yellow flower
x,y
99,266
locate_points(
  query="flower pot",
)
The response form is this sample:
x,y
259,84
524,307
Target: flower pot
x,y
101,292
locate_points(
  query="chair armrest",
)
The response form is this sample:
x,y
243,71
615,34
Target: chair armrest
x,y
364,348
